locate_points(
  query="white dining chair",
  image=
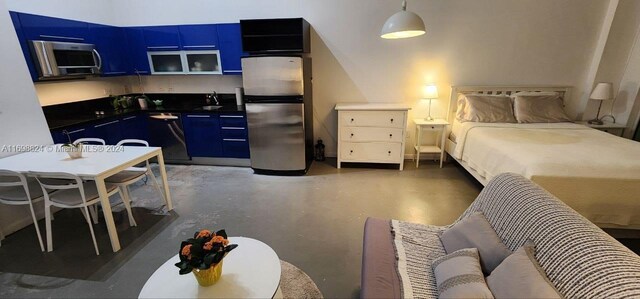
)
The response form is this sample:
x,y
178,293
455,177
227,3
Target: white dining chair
x,y
97,141
16,189
78,194
133,174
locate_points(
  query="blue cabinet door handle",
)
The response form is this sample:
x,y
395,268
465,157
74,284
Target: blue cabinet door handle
x,y
62,37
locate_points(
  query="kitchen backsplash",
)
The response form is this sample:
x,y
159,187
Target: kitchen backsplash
x,y
60,92
69,91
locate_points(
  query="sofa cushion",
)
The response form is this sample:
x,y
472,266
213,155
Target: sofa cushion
x,y
459,275
520,276
476,232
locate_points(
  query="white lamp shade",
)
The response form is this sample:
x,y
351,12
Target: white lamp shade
x,y
430,92
403,24
602,92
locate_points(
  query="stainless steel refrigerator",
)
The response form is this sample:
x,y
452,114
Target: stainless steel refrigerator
x,y
279,113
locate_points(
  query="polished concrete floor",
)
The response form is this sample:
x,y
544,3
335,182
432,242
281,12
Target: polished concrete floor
x,y
314,222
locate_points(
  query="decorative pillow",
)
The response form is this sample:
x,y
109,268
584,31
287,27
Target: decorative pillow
x,y
539,109
458,275
520,276
485,108
476,232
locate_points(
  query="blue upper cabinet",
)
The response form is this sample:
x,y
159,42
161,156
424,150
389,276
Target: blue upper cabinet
x,y
199,37
124,49
162,38
15,18
230,41
137,49
54,29
109,41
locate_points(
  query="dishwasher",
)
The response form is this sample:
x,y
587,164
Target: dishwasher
x,y
165,130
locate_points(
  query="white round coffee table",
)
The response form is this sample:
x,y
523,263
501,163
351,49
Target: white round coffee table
x,y
250,271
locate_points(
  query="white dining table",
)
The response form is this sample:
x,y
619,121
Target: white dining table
x,y
98,162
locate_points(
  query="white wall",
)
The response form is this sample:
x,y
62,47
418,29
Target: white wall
x,y
619,64
95,11
21,119
468,42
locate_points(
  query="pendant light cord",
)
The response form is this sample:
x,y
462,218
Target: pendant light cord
x,y
404,5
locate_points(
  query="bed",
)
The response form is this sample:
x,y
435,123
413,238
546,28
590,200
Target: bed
x,y
595,173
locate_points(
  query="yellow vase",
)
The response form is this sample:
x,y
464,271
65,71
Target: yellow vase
x,y
209,276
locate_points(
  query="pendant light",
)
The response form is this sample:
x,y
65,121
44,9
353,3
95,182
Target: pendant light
x,y
403,24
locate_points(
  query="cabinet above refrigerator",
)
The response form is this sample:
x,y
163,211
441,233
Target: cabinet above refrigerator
x,y
271,36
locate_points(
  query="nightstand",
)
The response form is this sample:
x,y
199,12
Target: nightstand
x,y
438,126
615,129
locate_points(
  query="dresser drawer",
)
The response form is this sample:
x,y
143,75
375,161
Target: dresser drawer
x,y
363,134
391,119
375,152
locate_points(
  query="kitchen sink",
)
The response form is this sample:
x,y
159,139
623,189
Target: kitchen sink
x,y
211,107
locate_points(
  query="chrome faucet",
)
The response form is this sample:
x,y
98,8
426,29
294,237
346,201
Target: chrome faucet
x,y
213,96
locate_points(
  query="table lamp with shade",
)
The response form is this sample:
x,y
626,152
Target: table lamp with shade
x,y
430,93
602,92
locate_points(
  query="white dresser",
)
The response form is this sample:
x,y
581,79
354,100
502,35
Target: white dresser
x,y
371,133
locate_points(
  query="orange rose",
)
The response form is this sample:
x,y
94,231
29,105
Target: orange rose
x,y
218,239
204,234
186,251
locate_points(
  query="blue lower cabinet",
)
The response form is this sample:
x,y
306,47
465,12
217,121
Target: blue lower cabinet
x,y
110,131
235,142
235,148
135,127
71,134
58,136
202,134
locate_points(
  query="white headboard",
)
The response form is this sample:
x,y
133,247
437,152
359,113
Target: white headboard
x,y
564,91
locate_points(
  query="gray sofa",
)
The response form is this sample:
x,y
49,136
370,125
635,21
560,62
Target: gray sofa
x,y
579,258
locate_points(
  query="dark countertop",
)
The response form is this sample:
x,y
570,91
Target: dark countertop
x,y
82,113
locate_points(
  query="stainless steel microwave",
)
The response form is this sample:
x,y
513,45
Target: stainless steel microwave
x,y
63,60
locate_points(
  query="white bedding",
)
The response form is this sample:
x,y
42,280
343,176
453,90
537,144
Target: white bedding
x,y
557,149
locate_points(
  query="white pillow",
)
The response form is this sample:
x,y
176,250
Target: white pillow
x,y
485,108
540,109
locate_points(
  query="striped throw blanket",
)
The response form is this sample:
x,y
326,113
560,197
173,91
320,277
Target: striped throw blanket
x,y
579,258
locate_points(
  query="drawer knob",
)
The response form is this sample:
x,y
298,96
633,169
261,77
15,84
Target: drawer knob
x,y
390,135
392,120
389,153
351,134
352,120
433,128
351,152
